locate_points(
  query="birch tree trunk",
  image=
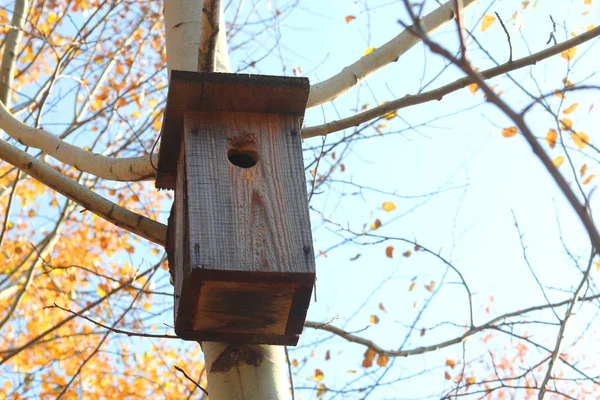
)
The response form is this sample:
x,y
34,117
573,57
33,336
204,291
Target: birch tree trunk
x,y
247,372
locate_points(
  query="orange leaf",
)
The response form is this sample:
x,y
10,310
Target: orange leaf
x,y
430,287
367,363
551,137
450,363
382,360
382,308
369,354
376,224
350,18
411,287
447,375
389,252
486,22
570,109
588,179
407,254
470,381
509,132
583,170
473,87
581,139
566,124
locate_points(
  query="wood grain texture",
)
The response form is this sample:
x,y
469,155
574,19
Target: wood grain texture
x,y
247,219
248,268
213,91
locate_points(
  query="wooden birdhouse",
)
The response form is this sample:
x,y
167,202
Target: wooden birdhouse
x,y
240,240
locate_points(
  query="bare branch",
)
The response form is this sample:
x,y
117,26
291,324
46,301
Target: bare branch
x,y
351,75
135,223
439,93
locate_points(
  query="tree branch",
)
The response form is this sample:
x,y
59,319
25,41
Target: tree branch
x,y
11,48
118,169
351,75
135,223
437,94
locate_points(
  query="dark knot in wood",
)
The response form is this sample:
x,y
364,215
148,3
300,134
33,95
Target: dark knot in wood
x,y
236,356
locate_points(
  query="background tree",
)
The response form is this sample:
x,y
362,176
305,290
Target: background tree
x,y
451,263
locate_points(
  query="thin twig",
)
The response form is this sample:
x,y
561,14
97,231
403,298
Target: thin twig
x,y
190,379
510,54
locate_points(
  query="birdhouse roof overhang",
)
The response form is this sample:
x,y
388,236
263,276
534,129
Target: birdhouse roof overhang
x,y
216,91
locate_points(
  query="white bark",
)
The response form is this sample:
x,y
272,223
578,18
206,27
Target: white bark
x,y
183,29
351,75
142,226
11,48
245,372
119,169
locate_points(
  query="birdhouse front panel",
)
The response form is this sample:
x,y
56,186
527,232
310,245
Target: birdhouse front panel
x,y
248,225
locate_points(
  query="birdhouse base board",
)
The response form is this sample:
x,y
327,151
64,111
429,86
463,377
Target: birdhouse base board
x,y
254,308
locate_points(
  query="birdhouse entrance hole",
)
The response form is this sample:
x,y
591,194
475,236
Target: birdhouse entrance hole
x,y
243,151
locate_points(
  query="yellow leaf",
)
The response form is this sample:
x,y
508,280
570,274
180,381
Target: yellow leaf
x,y
411,287
374,319
473,87
551,137
570,109
566,124
559,94
321,390
525,4
51,18
368,51
388,206
587,2
147,306
581,139
588,179
390,115
590,27
318,375
389,252
509,132
582,170
486,22
152,103
598,266
382,360
101,291
558,161
569,54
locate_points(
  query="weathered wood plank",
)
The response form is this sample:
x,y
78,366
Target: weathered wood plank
x,y
251,219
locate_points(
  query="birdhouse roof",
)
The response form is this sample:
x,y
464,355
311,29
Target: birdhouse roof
x,y
215,91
